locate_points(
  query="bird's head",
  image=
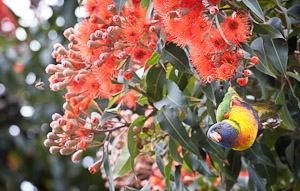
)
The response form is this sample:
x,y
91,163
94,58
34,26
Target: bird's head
x,y
223,134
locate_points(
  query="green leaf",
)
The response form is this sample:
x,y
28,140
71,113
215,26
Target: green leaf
x,y
259,51
170,123
119,4
255,8
200,139
267,171
178,183
160,165
155,80
174,153
168,169
208,90
234,167
108,171
146,187
106,117
180,78
255,155
267,29
173,99
177,57
122,165
284,113
259,182
133,146
210,110
135,78
295,32
293,75
277,51
200,166
113,100
289,152
284,10
153,60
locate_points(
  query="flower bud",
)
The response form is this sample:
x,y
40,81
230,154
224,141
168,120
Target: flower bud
x,y
72,38
247,73
73,47
122,55
77,156
52,136
67,151
242,81
104,56
98,63
69,72
128,74
54,149
135,138
51,69
112,8
71,143
152,29
96,166
56,116
214,10
152,45
136,129
117,19
49,143
254,59
57,130
67,106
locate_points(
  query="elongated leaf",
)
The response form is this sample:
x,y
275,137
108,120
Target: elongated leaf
x,y
259,51
181,79
291,74
170,123
168,169
267,171
268,30
255,155
277,51
208,90
255,8
177,57
122,165
113,100
178,182
119,4
174,98
210,110
146,187
160,165
284,10
133,146
234,167
289,153
200,166
155,79
259,182
106,117
174,153
284,113
153,60
108,171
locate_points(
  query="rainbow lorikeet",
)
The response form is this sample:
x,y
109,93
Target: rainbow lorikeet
x,y
238,123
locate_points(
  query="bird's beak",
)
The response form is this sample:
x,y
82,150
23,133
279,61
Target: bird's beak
x,y
215,136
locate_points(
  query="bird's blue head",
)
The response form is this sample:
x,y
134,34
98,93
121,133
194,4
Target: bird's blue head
x,y
223,134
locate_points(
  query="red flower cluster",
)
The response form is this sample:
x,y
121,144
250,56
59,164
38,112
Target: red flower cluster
x,y
96,50
213,50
